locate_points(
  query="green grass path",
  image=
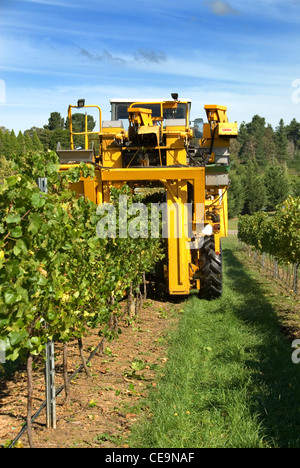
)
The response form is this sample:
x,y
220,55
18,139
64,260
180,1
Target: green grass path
x,y
229,380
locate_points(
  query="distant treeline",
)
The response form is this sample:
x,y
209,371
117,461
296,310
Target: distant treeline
x,y
265,162
46,138
265,166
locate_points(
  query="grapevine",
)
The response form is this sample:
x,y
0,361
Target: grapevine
x,y
57,278
278,236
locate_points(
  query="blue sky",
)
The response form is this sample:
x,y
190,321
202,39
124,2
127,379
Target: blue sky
x,y
241,54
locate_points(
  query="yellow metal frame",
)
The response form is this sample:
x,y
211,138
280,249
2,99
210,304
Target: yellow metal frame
x,y
182,262
86,133
175,181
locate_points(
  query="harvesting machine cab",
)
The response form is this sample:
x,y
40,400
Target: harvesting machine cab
x,y
152,144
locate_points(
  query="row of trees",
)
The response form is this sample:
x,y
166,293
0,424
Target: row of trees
x,y
11,144
265,166
258,140
46,138
252,189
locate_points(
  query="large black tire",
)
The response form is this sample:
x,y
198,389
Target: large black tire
x,y
211,278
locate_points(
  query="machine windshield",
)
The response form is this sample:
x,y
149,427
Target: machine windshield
x,y
119,111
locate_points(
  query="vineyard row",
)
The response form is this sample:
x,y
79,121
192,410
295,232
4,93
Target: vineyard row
x,y
276,235
57,278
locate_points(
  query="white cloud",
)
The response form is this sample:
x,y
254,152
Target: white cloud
x,y
221,8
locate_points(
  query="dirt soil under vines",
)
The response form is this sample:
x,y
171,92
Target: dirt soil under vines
x,y
104,406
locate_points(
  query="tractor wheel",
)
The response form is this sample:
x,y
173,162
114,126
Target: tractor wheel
x,y
211,280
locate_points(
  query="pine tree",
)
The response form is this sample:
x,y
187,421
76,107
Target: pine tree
x,y
28,143
45,138
277,186
269,144
7,147
36,143
55,121
256,128
21,143
293,133
281,140
247,152
254,136
13,143
243,133
254,189
236,197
